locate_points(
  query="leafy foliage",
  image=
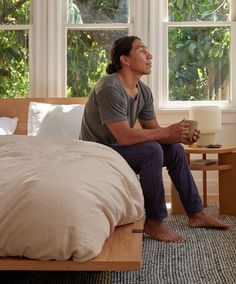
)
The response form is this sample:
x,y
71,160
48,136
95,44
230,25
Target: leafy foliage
x,y
202,10
14,50
14,64
87,58
84,65
88,52
14,12
99,11
198,56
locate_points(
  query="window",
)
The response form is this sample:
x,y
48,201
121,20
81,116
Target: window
x,y
57,47
196,53
15,34
92,27
60,48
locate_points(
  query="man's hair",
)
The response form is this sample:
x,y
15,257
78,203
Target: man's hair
x,y
121,46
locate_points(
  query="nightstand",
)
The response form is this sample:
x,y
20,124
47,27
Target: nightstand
x,y
224,163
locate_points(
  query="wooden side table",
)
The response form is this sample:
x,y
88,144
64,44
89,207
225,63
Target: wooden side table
x,y
227,185
224,163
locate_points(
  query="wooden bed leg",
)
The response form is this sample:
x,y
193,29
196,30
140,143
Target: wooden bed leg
x,y
176,205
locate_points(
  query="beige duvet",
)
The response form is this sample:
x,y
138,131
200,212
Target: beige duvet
x,y
62,199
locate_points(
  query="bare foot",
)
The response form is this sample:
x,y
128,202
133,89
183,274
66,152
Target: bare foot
x,y
158,230
201,220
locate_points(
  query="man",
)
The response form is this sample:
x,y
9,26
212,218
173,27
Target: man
x,y
115,103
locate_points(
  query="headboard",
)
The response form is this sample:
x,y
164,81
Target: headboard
x,y
19,108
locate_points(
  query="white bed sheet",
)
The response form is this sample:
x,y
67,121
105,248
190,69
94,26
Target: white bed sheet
x,y
62,199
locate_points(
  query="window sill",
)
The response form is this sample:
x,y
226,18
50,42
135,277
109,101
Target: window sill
x,y
168,116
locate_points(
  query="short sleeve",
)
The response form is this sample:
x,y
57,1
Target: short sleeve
x,y
111,105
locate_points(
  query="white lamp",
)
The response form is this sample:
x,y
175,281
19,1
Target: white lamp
x,y
209,122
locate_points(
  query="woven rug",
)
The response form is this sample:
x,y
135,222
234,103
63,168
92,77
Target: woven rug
x,y
208,256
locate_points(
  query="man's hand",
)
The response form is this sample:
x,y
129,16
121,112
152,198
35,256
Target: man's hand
x,y
178,132
151,131
194,139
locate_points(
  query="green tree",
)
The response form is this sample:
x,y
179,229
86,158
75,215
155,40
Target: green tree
x,y
87,57
88,51
14,51
198,57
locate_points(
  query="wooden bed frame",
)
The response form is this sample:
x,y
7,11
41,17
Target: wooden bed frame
x,y
121,251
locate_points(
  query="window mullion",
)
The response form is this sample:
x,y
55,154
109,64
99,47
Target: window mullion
x,y
158,48
233,10
198,24
141,24
56,46
98,26
15,27
39,49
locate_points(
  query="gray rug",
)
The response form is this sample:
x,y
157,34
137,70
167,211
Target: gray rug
x,y
208,256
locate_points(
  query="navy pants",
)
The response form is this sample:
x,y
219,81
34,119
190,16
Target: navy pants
x,y
147,160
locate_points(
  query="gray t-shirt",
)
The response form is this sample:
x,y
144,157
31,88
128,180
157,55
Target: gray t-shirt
x,y
109,102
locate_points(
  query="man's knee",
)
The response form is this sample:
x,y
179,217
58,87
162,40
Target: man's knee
x,y
177,148
174,154
154,151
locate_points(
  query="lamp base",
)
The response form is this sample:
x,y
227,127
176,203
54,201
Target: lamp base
x,y
206,139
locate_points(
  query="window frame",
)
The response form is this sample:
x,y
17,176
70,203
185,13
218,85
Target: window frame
x,y
159,33
148,19
50,44
100,27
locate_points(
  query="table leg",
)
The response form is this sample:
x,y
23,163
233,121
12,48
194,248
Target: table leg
x,y
204,175
176,205
227,181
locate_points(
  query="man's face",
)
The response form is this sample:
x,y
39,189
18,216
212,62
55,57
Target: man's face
x,y
139,59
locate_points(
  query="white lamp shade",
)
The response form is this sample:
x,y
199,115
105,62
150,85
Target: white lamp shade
x,y
208,117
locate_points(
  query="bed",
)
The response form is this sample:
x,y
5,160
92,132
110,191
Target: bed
x,y
120,242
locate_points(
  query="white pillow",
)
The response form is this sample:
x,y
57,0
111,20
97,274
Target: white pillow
x,y
55,121
8,125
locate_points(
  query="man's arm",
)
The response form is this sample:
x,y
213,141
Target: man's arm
x,y
149,124
150,131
